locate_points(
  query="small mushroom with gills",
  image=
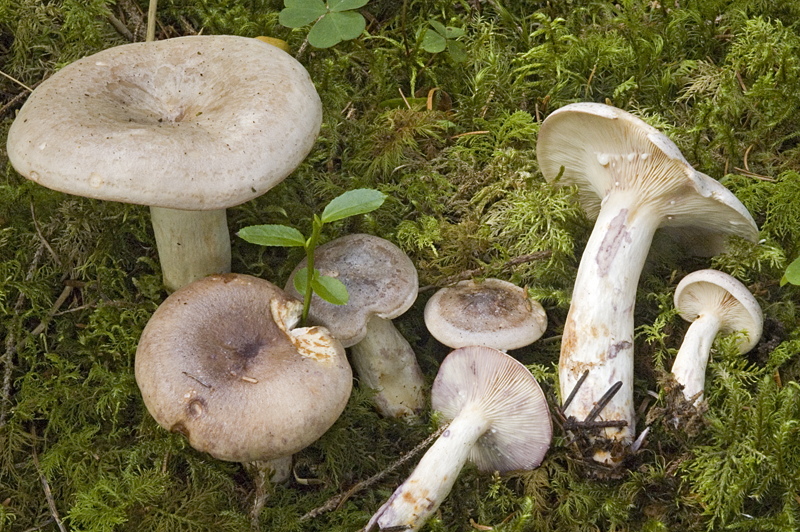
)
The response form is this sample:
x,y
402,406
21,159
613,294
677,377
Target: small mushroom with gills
x,y
633,179
187,126
492,313
221,362
499,420
714,302
382,284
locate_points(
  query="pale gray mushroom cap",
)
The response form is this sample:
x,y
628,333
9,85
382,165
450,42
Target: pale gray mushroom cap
x,y
193,123
492,313
520,427
220,362
605,149
380,279
715,292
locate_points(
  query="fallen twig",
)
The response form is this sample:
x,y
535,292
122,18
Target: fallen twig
x,y
46,486
336,502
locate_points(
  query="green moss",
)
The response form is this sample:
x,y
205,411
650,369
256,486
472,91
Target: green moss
x,y
722,78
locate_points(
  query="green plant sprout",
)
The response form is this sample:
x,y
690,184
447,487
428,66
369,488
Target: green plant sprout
x,y
332,290
444,38
334,21
792,274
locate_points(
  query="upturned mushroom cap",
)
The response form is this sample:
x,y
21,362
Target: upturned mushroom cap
x,y
219,362
508,395
603,148
194,123
492,313
381,280
712,291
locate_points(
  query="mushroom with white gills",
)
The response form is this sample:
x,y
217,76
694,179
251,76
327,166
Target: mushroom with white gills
x,y
188,126
499,420
382,284
633,179
492,313
221,362
714,302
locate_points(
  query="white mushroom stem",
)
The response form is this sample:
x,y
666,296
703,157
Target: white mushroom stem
x,y
385,362
420,495
690,363
191,244
598,333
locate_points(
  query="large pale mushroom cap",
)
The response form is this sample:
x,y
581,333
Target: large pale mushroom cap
x,y
493,313
508,396
604,149
380,279
220,362
193,123
715,292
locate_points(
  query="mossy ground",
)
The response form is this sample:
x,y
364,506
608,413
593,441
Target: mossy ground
x,y
721,78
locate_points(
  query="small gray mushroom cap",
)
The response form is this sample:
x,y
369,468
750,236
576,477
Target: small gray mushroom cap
x,y
508,395
381,280
712,291
221,363
492,313
603,148
192,123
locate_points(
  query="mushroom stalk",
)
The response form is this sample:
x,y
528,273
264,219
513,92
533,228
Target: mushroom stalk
x,y
598,333
690,363
421,494
191,244
385,362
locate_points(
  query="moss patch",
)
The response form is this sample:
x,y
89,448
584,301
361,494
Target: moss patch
x,y
80,278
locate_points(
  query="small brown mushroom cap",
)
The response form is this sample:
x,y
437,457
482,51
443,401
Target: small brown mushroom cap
x,y
381,280
715,292
193,123
220,362
493,313
507,395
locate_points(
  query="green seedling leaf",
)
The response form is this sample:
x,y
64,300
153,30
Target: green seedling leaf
x,y
299,13
792,274
457,51
351,203
439,27
453,33
433,42
272,235
330,289
345,5
336,27
300,280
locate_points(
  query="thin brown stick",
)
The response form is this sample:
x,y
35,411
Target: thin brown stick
x,y
336,502
120,27
12,102
11,342
46,486
41,236
15,80
52,312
